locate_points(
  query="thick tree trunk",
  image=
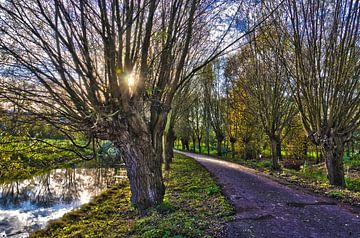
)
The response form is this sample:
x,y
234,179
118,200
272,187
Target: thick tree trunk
x,y
143,170
333,151
141,148
317,154
274,153
199,145
169,144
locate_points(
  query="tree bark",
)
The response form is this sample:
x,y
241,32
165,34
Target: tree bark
x,y
169,144
333,151
143,167
274,152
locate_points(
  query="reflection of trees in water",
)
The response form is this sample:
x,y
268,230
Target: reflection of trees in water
x,y
44,196
70,191
59,186
13,194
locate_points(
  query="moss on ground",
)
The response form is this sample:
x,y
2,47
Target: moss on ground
x,y
193,207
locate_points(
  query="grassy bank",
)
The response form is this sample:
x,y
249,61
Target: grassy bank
x,y
193,207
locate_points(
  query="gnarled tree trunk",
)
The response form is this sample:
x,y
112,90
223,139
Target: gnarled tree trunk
x,y
143,170
333,152
141,149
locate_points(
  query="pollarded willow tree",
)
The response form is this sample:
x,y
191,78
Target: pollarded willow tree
x,y
324,65
106,68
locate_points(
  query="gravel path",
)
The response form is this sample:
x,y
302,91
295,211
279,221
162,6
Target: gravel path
x,y
265,208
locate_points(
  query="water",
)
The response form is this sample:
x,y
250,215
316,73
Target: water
x,y
28,205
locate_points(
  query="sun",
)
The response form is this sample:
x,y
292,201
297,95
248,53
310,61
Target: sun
x,y
131,80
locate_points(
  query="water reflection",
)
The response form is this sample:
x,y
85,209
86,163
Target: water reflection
x,y
29,204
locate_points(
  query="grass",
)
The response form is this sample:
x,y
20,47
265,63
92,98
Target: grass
x,y
193,207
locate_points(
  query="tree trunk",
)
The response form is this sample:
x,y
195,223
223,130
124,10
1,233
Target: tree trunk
x,y
169,144
182,143
199,145
278,148
333,151
207,141
317,154
232,141
219,147
233,150
143,170
194,143
274,153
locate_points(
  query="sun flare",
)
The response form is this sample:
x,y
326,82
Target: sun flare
x,y
131,81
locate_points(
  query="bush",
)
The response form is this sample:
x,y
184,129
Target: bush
x,y
353,184
293,163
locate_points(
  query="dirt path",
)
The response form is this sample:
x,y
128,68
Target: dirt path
x,y
265,208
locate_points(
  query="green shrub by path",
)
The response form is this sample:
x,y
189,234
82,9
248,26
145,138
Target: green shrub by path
x,y
193,207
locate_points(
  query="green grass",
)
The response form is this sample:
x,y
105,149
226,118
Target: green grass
x,y
193,207
353,163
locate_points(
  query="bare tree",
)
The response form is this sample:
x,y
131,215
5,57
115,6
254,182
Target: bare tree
x,y
324,64
107,68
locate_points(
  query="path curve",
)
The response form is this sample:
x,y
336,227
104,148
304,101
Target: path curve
x,y
266,208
